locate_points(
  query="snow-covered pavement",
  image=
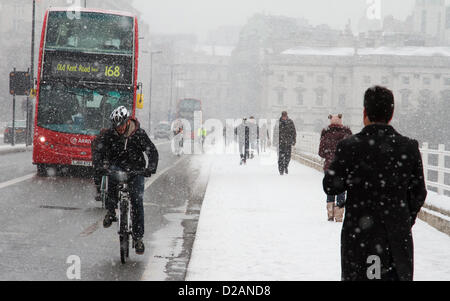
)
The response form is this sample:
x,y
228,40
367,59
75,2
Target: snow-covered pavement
x,y
256,225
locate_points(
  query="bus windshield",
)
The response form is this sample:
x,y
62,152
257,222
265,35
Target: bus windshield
x,y
90,32
79,110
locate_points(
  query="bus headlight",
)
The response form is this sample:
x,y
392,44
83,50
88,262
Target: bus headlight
x,y
42,139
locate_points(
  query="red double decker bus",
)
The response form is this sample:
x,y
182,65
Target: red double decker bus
x,y
88,64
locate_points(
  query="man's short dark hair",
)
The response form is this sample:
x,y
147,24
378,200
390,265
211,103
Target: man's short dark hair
x,y
284,114
379,104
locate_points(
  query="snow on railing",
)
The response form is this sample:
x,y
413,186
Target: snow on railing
x,y
436,171
308,142
437,174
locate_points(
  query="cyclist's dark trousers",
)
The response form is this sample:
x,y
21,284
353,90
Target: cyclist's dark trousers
x,y
97,182
284,156
136,186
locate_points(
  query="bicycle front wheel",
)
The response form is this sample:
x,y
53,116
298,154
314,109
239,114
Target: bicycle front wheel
x,y
124,233
124,247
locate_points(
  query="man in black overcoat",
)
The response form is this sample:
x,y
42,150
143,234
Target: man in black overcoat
x,y
382,173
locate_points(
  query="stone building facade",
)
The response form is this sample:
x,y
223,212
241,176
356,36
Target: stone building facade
x,y
311,83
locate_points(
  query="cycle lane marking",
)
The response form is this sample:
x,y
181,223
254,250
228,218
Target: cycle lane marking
x,y
159,174
16,180
30,176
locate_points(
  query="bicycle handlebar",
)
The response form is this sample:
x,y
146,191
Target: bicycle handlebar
x,y
124,174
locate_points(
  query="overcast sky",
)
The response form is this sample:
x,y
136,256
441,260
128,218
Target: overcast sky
x,y
200,16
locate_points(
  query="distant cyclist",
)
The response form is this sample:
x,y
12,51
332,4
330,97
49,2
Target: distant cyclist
x,y
178,139
123,148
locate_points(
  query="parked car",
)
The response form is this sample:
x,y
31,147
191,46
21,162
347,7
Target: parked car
x,y
163,130
20,132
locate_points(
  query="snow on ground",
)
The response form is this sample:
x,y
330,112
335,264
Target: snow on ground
x,y
439,201
9,146
258,226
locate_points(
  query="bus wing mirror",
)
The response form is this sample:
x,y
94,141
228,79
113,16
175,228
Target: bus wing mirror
x,y
140,97
140,101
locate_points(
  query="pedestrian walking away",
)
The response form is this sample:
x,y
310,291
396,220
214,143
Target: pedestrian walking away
x,y
284,137
382,172
330,137
264,137
253,137
243,137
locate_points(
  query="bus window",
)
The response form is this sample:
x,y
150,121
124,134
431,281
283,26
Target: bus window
x,y
94,32
85,111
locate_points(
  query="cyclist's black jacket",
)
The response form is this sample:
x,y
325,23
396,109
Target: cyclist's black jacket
x,y
126,152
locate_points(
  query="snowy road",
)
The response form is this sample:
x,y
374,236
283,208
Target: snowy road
x,y
46,220
255,225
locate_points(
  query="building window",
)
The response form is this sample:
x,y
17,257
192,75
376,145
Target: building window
x,y
425,96
343,80
281,77
445,96
280,97
424,21
342,101
447,19
447,81
300,100
385,80
18,10
300,79
367,80
426,81
405,80
320,79
15,25
405,98
319,97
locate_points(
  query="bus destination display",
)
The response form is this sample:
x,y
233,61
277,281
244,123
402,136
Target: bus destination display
x,y
113,71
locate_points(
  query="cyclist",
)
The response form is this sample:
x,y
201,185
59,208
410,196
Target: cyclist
x,y
123,146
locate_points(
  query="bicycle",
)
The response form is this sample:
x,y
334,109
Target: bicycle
x,y
124,207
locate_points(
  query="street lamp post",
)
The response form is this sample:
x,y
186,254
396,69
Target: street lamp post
x,y
29,107
150,90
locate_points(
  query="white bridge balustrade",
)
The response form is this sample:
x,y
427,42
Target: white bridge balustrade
x,y
436,162
308,143
437,173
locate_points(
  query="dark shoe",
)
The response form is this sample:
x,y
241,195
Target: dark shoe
x,y
286,171
110,217
340,204
281,173
139,247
